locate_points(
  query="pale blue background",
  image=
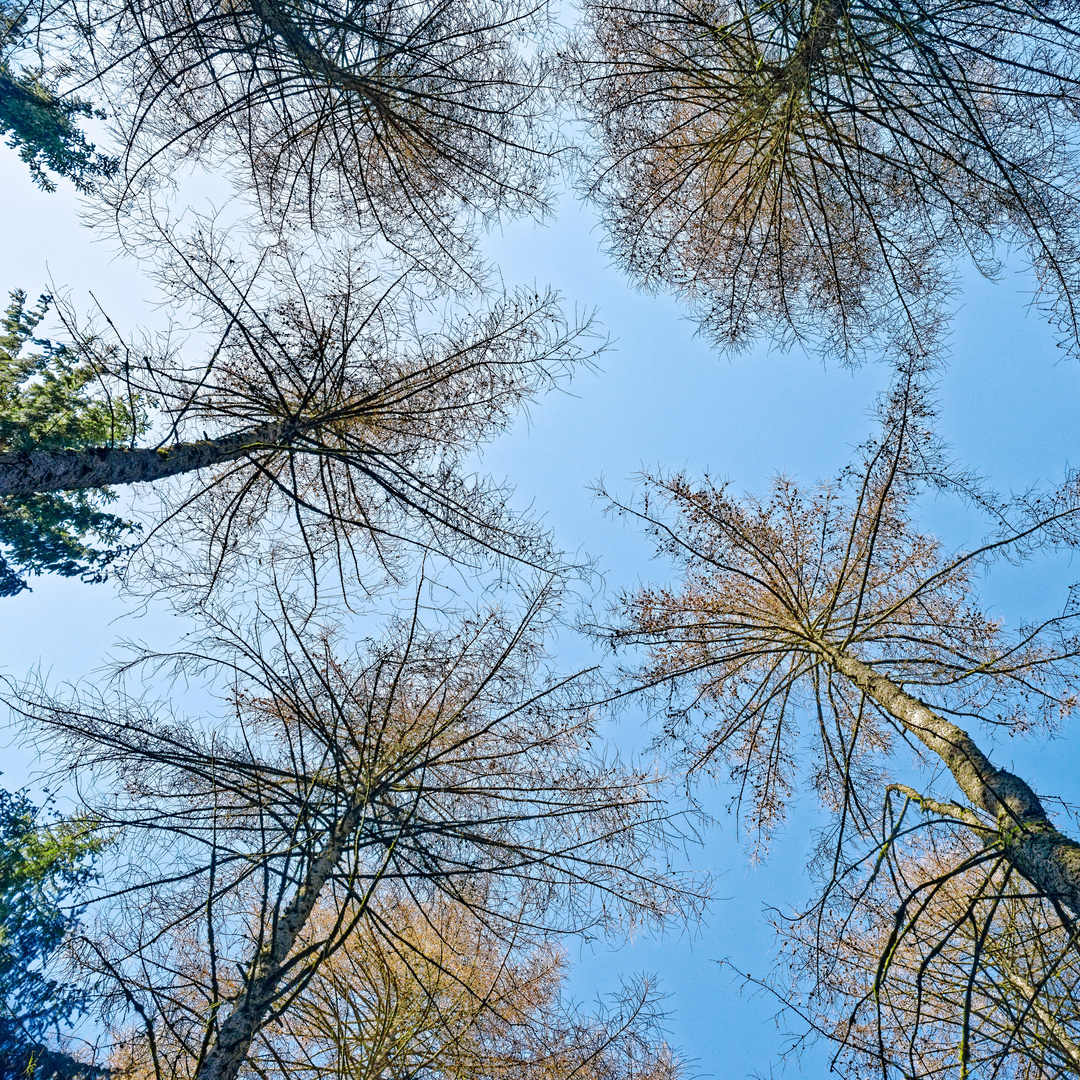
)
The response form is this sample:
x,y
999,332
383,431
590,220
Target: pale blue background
x,y
1008,405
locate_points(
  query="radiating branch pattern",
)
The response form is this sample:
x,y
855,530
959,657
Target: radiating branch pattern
x,y
439,767
813,169
328,416
828,606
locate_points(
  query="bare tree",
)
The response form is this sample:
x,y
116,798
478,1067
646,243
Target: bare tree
x,y
813,169
434,767
430,991
943,961
828,605
410,121
327,408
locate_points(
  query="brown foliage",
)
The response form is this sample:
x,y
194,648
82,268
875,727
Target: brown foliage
x,y
429,990
813,169
941,962
363,402
438,767
804,639
410,121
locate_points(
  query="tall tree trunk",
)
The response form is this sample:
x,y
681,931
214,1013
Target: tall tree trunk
x,y
1049,859
230,1047
313,59
26,472
794,76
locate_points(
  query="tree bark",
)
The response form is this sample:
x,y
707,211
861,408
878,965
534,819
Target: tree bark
x,y
796,72
1058,1033
1048,858
233,1041
313,59
26,472
824,22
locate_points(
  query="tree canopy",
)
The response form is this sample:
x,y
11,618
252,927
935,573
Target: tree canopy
x,y
830,607
441,766
43,866
364,853
815,171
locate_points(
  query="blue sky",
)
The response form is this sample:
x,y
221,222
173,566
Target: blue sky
x,y
1008,405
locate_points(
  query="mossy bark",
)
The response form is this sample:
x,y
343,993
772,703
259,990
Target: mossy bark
x,y
1048,858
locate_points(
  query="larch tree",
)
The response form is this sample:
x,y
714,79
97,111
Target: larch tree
x,y
326,411
942,960
813,170
336,794
809,170
812,635
405,127
411,122
430,990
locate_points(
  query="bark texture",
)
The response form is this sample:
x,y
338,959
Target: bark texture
x,y
26,472
794,77
1048,858
230,1048
1058,1032
313,59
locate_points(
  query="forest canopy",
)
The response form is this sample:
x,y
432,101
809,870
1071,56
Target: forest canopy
x,y
410,749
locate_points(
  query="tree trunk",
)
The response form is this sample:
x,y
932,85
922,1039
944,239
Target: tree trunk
x,y
1029,840
233,1041
1058,1033
313,59
26,472
794,77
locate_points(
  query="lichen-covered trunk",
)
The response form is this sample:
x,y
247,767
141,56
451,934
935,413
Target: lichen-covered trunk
x,y
230,1048
793,77
1057,1033
1048,858
26,472
823,24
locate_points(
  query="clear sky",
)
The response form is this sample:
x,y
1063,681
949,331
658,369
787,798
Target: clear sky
x,y
1009,406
